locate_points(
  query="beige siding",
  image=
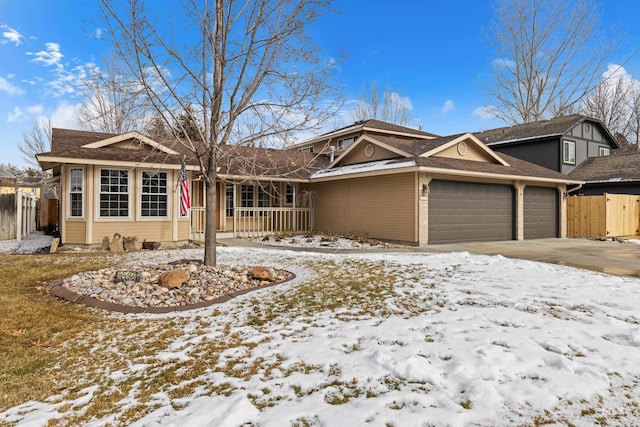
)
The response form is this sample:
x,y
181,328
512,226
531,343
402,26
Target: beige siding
x,y
357,155
74,232
330,206
381,206
152,231
473,153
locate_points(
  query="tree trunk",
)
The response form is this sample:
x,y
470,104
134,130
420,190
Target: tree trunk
x,y
210,214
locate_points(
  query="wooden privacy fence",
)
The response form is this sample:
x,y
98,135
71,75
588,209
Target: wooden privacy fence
x,y
608,215
17,215
7,216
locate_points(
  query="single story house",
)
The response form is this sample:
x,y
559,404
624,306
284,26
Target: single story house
x,y
390,182
560,144
618,174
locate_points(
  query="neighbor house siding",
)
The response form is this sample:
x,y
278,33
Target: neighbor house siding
x,y
545,153
381,206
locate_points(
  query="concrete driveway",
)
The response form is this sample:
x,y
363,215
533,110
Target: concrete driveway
x,y
603,256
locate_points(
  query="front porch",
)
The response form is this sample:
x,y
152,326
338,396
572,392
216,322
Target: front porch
x,y
252,209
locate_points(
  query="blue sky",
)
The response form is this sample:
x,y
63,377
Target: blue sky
x,y
432,52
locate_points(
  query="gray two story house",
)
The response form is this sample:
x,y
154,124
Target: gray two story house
x,y
559,144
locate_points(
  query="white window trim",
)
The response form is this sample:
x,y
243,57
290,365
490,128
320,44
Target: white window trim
x,y
602,150
306,149
139,216
84,193
99,218
566,143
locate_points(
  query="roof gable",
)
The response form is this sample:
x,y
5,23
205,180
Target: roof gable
x,y
358,152
131,138
465,147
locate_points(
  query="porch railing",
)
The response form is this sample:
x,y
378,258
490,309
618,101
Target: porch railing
x,y
197,223
257,222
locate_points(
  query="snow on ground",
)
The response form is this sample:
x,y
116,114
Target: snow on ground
x,y
463,340
32,243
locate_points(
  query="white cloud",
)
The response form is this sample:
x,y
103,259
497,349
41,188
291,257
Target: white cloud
x,y
51,56
485,112
65,115
35,109
15,115
502,63
9,35
7,87
97,33
448,106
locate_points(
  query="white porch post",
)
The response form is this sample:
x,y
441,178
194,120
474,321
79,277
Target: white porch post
x,y
422,220
562,199
519,187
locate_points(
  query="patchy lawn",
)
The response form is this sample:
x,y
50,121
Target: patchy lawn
x,y
386,339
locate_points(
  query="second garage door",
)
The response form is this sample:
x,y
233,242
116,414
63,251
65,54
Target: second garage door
x,y
540,212
468,212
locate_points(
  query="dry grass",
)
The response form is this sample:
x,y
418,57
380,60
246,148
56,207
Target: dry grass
x,y
35,324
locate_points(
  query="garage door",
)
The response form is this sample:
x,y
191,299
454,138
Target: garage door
x,y
470,212
540,212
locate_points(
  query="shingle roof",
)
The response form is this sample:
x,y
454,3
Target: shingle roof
x,y
517,167
374,124
232,160
411,145
623,167
543,128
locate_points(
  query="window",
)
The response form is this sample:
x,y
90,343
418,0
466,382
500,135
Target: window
x,y
569,153
114,193
246,198
264,199
288,194
603,151
306,149
75,193
228,202
344,143
154,194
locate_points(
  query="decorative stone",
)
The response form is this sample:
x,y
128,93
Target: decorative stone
x,y
125,276
54,245
261,273
173,279
130,244
105,243
116,244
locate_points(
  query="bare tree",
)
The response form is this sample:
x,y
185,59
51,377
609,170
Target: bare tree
x,y
247,68
115,101
37,140
547,57
388,106
616,102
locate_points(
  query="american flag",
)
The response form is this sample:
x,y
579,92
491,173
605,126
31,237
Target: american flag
x,y
185,200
